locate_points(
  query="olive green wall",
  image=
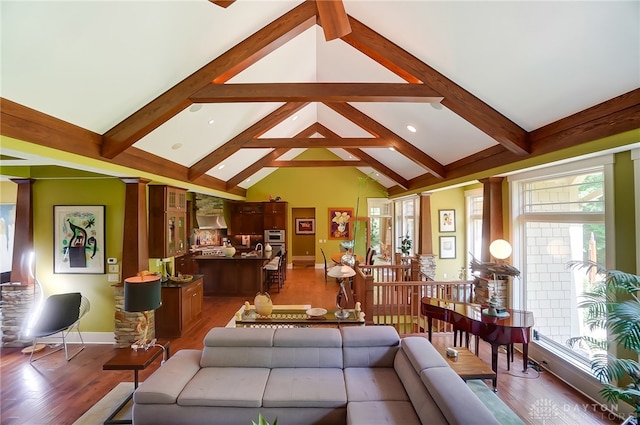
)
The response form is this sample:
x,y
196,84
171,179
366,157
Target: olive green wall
x,y
106,191
625,214
8,192
319,188
451,199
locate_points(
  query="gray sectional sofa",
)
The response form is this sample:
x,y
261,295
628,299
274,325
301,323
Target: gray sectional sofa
x,y
354,375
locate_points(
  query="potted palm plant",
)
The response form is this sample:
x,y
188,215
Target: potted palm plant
x,y
613,305
263,421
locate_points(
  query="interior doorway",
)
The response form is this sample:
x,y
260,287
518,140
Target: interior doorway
x,y
303,237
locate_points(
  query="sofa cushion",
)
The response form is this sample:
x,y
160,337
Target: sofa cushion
x,y
225,386
238,347
307,337
307,347
370,384
165,387
425,406
305,387
238,337
449,391
369,346
422,354
369,336
381,413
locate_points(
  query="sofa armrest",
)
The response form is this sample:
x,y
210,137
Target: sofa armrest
x,y
165,384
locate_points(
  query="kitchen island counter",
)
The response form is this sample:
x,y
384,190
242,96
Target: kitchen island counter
x,y
240,275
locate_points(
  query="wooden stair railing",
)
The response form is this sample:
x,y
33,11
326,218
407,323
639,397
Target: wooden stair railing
x,y
397,303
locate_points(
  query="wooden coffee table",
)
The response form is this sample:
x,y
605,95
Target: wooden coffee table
x,y
467,365
128,359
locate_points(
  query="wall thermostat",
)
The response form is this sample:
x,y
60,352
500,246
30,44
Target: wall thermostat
x,y
112,260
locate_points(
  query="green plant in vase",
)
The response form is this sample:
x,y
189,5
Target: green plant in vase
x,y
613,305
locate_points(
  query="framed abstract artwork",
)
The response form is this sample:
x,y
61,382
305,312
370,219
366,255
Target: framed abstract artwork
x,y
447,220
79,239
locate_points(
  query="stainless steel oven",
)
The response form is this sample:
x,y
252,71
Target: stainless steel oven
x,y
274,236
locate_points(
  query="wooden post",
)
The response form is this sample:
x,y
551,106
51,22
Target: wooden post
x,y
23,237
135,247
492,223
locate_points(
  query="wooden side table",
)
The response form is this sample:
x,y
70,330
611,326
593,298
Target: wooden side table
x,y
467,365
128,359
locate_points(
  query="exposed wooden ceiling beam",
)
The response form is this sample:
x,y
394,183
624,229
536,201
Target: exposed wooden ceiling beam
x,y
358,153
262,162
333,18
32,126
255,167
457,99
379,167
219,70
316,92
399,144
236,143
614,116
299,142
222,3
317,163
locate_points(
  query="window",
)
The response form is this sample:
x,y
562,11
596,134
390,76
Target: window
x,y
381,227
560,217
474,201
407,216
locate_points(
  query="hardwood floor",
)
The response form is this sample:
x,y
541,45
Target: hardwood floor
x,y
54,391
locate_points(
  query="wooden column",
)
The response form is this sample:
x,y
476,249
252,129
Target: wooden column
x,y
425,239
492,223
135,247
23,236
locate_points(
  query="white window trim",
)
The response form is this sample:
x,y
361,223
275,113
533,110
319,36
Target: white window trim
x,y
467,195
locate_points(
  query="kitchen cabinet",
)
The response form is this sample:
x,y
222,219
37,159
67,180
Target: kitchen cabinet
x,y
247,218
186,264
275,215
181,308
167,221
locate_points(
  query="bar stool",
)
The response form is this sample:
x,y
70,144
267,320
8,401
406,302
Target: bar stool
x,y
272,273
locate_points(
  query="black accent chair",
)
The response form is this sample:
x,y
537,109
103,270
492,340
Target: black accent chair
x,y
326,269
60,314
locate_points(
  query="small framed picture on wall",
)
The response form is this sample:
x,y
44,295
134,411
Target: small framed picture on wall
x,y
305,226
447,220
447,247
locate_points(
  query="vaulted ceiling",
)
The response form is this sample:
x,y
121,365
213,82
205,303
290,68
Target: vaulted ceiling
x,y
219,94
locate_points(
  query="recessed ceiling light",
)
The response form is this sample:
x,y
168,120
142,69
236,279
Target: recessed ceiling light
x,y
220,167
411,128
176,146
392,148
295,117
248,179
436,105
377,174
195,107
211,121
